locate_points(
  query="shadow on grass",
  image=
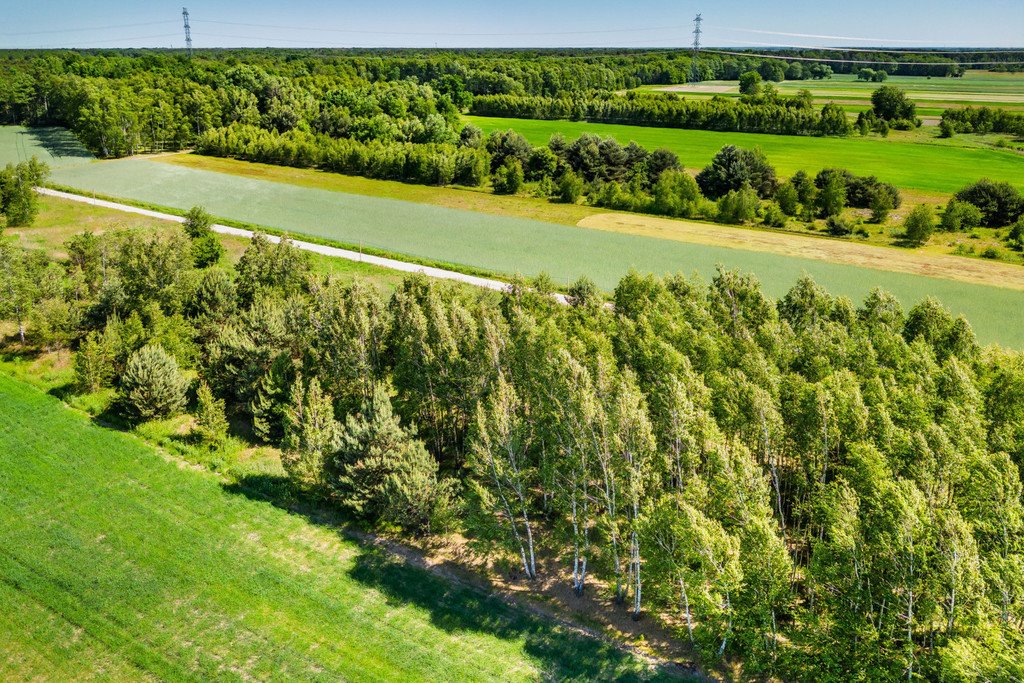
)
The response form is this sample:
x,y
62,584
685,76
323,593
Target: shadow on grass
x,y
59,142
455,607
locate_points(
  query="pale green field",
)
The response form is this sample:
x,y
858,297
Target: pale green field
x,y
506,246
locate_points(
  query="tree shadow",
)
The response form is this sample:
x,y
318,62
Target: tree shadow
x,y
59,142
560,652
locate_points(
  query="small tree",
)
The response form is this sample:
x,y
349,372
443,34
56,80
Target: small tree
x,y
738,206
312,436
788,199
960,217
19,202
832,196
750,84
152,386
211,423
197,222
508,179
94,362
881,205
570,187
206,248
919,224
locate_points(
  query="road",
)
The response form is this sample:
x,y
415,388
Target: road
x,y
334,252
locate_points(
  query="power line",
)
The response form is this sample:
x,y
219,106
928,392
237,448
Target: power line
x,y
886,50
816,35
94,28
847,61
98,43
441,33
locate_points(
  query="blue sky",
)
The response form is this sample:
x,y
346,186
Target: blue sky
x,y
518,23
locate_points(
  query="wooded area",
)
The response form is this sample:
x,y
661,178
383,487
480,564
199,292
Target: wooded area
x,y
814,489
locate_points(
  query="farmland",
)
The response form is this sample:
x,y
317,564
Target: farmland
x,y
934,167
932,95
508,246
234,588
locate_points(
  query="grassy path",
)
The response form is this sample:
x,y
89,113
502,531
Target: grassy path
x,y
118,564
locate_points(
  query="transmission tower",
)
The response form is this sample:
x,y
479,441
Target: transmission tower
x,y
695,64
188,32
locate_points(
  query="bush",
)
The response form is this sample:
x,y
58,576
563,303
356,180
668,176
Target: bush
x,y
197,222
206,250
946,129
832,195
839,226
960,217
773,216
570,187
676,194
509,178
738,206
211,423
152,385
1000,202
94,362
919,224
788,199
881,205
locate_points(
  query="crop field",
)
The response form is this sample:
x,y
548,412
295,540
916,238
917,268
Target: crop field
x,y
938,167
932,95
58,147
119,564
511,245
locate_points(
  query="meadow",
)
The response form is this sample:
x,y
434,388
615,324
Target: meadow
x,y
120,564
934,167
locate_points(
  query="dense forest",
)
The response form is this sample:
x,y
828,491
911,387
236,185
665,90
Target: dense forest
x,y
808,488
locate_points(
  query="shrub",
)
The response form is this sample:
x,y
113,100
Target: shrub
x,y
881,205
738,206
919,224
960,217
197,222
94,362
508,179
676,194
946,129
774,216
832,196
570,187
152,385
839,226
788,199
1000,202
211,423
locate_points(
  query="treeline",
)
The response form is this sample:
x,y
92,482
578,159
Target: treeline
x,y
810,489
983,120
428,164
785,116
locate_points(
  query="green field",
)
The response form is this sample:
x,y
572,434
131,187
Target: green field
x,y
58,147
932,95
935,167
118,564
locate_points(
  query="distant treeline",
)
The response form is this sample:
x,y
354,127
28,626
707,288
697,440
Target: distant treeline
x,y
787,116
984,120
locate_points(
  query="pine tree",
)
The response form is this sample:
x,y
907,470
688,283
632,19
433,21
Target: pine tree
x,y
211,423
312,436
152,385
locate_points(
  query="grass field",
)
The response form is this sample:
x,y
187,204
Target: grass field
x,y
939,167
118,564
58,147
932,95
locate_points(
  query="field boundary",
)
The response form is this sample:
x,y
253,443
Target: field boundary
x,y
323,249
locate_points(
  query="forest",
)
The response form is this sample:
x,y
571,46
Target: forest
x,y
807,488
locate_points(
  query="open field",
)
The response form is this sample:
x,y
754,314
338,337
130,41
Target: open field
x,y
932,95
508,245
120,564
932,260
938,167
57,147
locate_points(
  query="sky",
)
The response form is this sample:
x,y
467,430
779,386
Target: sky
x,y
520,23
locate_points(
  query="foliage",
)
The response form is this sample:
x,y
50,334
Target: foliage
x,y
152,385
211,426
960,216
1000,203
732,168
19,202
890,104
919,224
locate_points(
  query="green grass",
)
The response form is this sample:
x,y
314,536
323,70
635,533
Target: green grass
x,y
118,564
935,166
58,147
